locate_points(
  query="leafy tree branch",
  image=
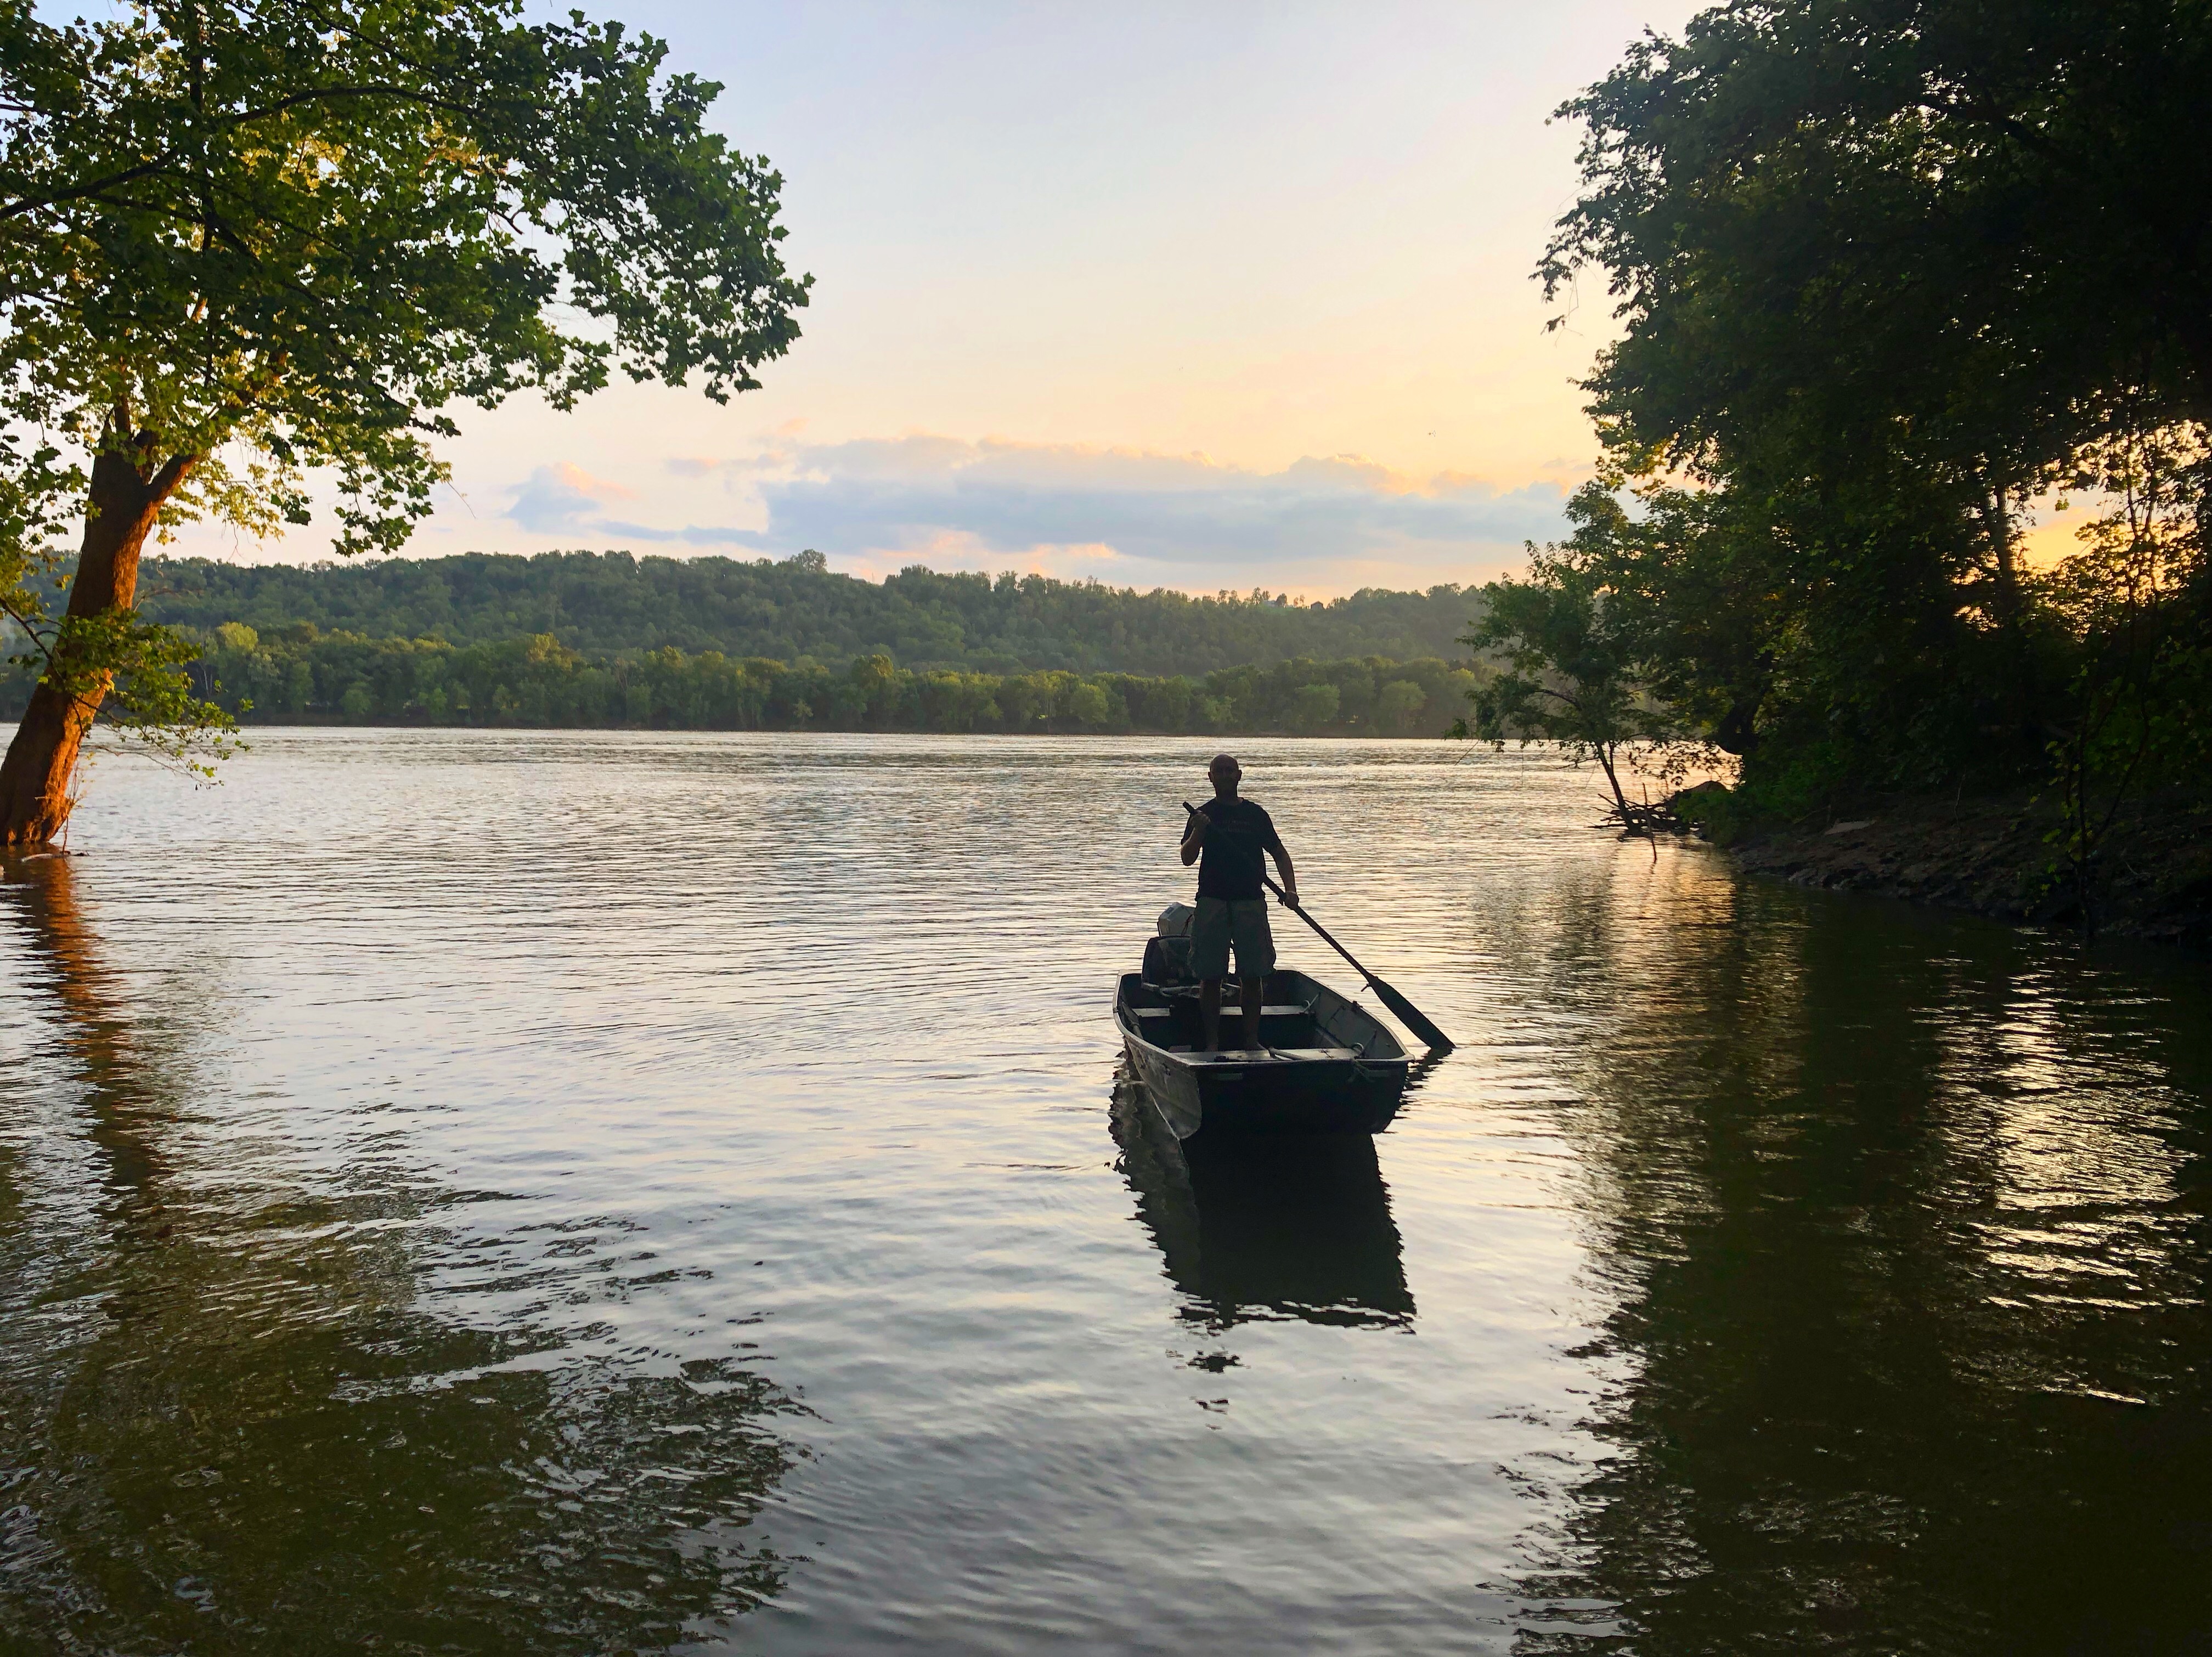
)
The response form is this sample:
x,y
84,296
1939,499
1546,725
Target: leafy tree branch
x,y
244,243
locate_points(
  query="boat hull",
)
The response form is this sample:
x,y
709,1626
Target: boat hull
x,y
1352,1084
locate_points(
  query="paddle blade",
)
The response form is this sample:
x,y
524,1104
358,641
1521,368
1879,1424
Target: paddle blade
x,y
1412,1017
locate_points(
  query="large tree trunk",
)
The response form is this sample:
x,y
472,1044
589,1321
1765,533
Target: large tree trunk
x,y
1997,525
2015,663
126,493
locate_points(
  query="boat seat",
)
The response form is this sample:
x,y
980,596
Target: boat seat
x,y
1263,1055
1228,1008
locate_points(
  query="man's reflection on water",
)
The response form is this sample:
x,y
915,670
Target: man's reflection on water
x,y
231,1426
1282,1225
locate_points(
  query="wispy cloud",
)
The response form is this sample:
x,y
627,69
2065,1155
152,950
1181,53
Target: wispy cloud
x,y
557,498
1171,511
1138,516
695,535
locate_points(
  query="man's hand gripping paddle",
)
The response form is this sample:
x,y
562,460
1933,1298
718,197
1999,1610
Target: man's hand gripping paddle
x,y
1404,1010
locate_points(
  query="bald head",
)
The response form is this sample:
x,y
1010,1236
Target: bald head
x,y
1224,773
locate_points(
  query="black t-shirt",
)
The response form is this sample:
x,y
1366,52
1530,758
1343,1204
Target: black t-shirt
x,y
1230,864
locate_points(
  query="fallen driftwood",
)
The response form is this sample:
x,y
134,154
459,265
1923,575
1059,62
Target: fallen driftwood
x,y
1643,819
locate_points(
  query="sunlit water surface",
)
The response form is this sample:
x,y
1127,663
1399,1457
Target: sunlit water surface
x,y
556,1192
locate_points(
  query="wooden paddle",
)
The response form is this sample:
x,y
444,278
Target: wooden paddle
x,y
1407,1013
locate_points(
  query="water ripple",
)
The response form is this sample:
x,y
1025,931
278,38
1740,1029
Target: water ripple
x,y
579,1191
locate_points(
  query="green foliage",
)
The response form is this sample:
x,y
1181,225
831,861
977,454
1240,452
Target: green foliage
x,y
611,603
282,245
135,675
297,673
1315,706
1575,666
1949,228
136,670
1399,703
242,244
1887,271
2133,606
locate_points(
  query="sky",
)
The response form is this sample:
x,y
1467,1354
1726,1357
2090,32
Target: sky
x,y
1201,296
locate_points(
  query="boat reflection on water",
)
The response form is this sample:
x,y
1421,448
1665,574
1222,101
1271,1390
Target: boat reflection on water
x,y
1265,1226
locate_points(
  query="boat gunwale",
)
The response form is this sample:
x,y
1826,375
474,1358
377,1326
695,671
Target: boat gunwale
x,y
1197,1064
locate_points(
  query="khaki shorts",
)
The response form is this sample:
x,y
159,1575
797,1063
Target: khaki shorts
x,y
1222,921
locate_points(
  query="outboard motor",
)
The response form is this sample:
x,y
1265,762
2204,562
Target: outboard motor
x,y
1167,957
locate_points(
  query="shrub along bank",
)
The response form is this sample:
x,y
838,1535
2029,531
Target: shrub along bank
x,y
299,674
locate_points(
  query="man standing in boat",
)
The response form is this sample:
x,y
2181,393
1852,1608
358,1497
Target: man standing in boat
x,y
1228,839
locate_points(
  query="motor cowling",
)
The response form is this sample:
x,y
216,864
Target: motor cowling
x,y
1167,960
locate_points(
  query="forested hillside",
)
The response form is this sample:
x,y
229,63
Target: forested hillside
x,y
299,674
604,639
612,603
347,678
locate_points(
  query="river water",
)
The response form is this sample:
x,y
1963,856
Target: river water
x,y
586,1192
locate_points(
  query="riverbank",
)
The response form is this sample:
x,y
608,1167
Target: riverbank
x,y
1997,857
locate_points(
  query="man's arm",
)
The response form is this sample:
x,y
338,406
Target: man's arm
x,y
1193,838
1290,875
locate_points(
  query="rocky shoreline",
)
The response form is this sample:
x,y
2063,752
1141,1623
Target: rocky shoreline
x,y
1998,856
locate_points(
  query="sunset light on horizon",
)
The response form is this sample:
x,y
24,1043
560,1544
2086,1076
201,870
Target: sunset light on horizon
x,y
1197,300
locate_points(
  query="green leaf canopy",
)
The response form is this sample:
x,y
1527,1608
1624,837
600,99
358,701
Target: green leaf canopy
x,y
1954,230
247,240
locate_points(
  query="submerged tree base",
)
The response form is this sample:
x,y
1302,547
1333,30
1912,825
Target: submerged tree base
x,y
1998,856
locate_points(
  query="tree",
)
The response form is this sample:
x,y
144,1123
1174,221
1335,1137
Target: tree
x,y
2133,601
1964,222
1575,674
1886,270
1087,705
1398,703
1313,706
1704,588
242,245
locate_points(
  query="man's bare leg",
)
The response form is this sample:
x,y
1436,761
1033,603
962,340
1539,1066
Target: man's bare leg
x,y
1209,1012
1255,997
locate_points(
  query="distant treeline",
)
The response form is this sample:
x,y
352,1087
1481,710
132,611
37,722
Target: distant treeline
x,y
301,673
606,603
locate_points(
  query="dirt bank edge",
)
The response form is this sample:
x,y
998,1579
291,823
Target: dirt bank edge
x,y
1997,857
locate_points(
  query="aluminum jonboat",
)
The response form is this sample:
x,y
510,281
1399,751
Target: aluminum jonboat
x,y
1324,1064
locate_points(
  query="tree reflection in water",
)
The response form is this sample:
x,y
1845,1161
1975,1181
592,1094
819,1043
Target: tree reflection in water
x,y
1905,1232
1265,1225
230,1427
